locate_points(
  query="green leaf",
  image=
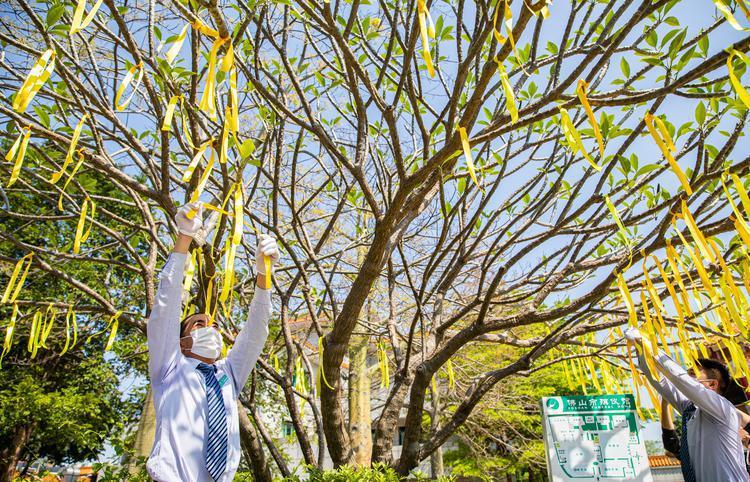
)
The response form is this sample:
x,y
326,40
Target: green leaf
x,y
703,44
54,14
700,113
246,148
625,67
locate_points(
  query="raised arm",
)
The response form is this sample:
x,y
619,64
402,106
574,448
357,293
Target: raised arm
x,y
163,328
668,391
249,342
678,387
705,399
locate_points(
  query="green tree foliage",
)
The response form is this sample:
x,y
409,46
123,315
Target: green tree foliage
x,y
504,434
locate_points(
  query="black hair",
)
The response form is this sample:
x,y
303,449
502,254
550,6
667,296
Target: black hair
x,y
717,368
728,386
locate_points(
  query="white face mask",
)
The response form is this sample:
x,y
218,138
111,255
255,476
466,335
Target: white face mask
x,y
206,342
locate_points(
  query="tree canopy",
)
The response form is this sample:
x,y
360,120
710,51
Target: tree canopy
x,y
439,175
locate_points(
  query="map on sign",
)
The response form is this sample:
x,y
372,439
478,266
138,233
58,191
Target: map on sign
x,y
592,438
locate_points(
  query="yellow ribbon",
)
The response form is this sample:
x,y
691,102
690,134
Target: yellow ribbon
x,y
208,103
15,283
18,150
724,9
510,97
204,178
467,154
696,233
34,334
114,322
177,45
188,174
8,342
38,75
741,92
625,292
71,150
70,315
169,114
233,243
508,23
233,112
427,32
138,68
81,234
664,141
574,138
581,92
205,29
70,178
79,23
321,370
544,11
613,211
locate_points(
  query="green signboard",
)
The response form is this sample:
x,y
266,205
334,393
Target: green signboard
x,y
593,438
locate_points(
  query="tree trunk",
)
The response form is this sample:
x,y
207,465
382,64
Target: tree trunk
x,y
144,437
360,416
10,455
252,448
436,459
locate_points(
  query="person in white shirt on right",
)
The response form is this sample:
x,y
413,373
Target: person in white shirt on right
x,y
711,423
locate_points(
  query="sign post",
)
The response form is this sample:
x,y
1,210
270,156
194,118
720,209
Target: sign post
x,y
593,438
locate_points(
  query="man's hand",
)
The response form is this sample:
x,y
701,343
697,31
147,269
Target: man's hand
x,y
206,229
189,219
633,335
266,247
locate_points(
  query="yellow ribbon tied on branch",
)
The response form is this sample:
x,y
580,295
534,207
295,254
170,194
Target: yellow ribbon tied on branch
x,y
83,234
15,284
724,9
177,45
71,150
510,97
667,147
581,92
427,31
70,319
574,138
134,72
208,100
38,75
467,154
321,370
8,342
233,243
79,23
70,178
738,87
18,151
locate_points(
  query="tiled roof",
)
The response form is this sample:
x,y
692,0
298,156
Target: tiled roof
x,y
662,461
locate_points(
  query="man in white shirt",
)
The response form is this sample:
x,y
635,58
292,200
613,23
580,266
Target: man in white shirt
x,y
195,392
710,447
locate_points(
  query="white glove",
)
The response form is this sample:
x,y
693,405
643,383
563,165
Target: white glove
x,y
266,247
189,219
205,230
633,334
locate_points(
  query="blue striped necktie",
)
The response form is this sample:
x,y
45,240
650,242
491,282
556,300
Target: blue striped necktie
x,y
216,448
687,466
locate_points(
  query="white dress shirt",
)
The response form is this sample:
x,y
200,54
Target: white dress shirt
x,y
178,454
713,432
